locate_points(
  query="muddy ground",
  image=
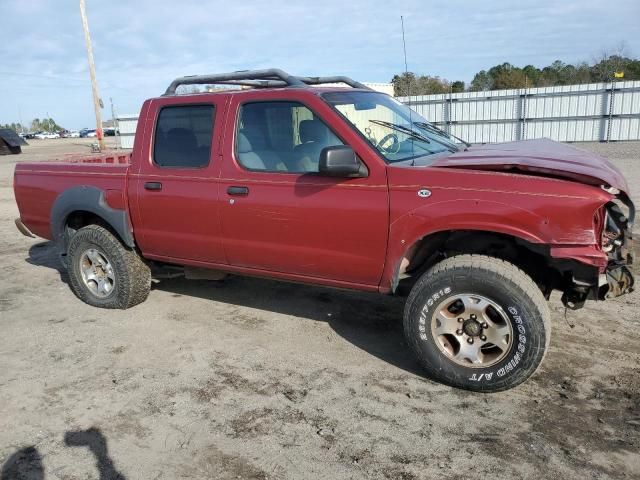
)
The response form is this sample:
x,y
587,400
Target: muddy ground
x,y
260,379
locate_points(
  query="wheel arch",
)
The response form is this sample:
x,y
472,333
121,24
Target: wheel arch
x,y
84,205
533,258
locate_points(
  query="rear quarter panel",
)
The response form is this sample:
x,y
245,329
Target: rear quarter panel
x,y
38,184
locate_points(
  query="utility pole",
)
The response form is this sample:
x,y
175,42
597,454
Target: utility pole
x,y
97,103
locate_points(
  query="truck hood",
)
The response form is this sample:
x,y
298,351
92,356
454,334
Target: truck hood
x,y
539,157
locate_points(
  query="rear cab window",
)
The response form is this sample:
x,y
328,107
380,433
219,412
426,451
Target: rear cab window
x,y
183,136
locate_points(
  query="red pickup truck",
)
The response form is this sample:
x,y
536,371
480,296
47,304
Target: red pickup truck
x,y
344,187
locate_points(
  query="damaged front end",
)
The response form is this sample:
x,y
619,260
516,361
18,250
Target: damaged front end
x,y
618,244
614,222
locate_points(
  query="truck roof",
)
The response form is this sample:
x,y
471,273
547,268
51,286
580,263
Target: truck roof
x,y
263,79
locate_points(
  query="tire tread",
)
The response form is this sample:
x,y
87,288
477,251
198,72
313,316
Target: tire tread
x,y
134,280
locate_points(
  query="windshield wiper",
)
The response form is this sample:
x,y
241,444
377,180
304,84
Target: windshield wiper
x,y
437,130
403,129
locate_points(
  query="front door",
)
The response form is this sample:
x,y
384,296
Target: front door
x,y
280,215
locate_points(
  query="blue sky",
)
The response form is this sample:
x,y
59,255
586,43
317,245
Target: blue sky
x,y
141,45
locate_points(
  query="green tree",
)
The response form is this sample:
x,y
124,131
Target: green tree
x,y
511,78
506,76
603,70
428,85
457,86
481,82
16,127
404,84
45,124
532,75
408,83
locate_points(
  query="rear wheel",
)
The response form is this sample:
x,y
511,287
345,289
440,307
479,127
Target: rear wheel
x,y
477,323
103,272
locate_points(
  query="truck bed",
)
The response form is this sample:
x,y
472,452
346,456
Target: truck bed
x,y
37,184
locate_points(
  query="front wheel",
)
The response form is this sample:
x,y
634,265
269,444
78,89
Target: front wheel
x,y
477,323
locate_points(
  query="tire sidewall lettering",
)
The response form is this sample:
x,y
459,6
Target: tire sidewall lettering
x,y
517,353
424,312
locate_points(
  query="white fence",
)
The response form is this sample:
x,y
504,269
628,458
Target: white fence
x,y
573,113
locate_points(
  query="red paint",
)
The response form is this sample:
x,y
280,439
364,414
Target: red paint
x,y
540,156
322,227
182,220
332,231
115,199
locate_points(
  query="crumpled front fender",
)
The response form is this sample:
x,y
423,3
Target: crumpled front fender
x,y
541,224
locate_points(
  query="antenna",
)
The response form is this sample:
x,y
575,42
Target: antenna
x,y
406,74
406,68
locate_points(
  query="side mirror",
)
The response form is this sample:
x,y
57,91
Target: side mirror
x,y
339,161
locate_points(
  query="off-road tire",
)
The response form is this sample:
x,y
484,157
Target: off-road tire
x,y
523,306
132,274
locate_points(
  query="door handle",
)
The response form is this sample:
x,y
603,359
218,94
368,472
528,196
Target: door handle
x,y
153,186
241,191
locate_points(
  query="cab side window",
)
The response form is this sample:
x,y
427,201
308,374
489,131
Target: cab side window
x,y
183,136
281,137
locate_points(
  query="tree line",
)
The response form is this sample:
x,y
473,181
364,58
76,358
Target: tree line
x,y
36,125
507,75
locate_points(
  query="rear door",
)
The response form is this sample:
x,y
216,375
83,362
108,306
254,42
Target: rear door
x,y
176,209
278,213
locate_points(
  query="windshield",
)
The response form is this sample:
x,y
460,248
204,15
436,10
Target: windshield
x,y
393,129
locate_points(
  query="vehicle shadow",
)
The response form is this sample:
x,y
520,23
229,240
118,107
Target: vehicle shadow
x,y
45,254
369,321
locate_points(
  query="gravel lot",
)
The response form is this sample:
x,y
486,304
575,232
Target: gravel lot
x,y
260,379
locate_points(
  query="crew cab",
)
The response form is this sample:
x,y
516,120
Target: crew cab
x,y
348,188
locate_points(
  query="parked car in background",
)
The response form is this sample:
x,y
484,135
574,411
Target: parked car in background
x,y
87,132
109,132
73,134
47,135
346,188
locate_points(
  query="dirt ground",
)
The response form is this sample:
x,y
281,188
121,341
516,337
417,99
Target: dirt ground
x,y
259,379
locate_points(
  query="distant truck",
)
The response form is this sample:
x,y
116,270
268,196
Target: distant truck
x,y
346,188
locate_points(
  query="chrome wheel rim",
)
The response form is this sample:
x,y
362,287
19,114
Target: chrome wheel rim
x,y
471,330
97,273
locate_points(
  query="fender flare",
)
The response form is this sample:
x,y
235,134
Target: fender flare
x,y
480,216
88,199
